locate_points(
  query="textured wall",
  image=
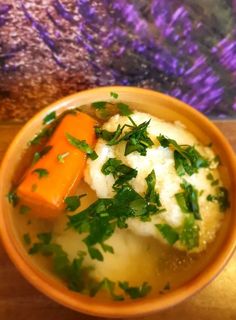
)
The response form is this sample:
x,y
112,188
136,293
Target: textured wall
x,y
51,48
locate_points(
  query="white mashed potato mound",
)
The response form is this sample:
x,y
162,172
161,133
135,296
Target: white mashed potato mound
x,y
161,160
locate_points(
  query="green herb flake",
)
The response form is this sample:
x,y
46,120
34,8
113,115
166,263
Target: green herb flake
x,y
49,117
102,217
41,172
187,158
45,237
114,95
215,162
24,209
95,253
189,235
120,171
201,193
151,195
215,182
124,109
188,200
39,154
210,176
107,248
135,292
109,286
73,202
74,273
13,198
61,157
222,197
168,233
43,134
27,239
82,146
99,105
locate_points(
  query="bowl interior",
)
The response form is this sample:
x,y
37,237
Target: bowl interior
x,y
158,105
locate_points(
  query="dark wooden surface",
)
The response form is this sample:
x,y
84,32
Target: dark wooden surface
x,y
20,301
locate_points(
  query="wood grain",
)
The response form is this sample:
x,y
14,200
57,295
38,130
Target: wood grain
x,y
20,301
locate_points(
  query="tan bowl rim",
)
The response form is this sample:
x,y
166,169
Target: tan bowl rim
x,y
133,308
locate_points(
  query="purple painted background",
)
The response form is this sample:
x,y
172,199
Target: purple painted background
x,y
51,48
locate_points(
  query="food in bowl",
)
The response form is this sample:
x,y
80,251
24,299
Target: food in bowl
x,y
117,203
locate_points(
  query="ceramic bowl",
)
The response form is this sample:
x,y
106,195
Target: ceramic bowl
x,y
159,105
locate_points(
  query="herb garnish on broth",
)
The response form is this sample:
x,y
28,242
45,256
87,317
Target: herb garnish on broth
x,y
222,197
73,202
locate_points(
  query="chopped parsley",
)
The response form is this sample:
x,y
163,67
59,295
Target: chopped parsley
x,y
74,273
136,138
78,275
135,292
27,239
210,176
99,105
124,109
120,171
187,158
41,172
49,117
215,162
73,202
101,218
109,286
39,154
61,157
168,233
215,182
82,145
24,209
151,195
188,200
13,198
44,133
222,197
189,236
114,95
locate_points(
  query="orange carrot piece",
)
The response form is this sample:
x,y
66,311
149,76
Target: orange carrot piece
x,y
60,178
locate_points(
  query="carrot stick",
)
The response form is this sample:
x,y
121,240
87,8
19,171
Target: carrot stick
x,y
57,174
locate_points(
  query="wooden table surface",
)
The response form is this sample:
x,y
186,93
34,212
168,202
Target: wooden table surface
x,y
20,301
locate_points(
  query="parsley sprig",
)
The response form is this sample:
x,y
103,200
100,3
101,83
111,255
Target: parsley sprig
x,y
103,216
187,158
82,145
222,197
76,274
136,137
120,171
188,200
